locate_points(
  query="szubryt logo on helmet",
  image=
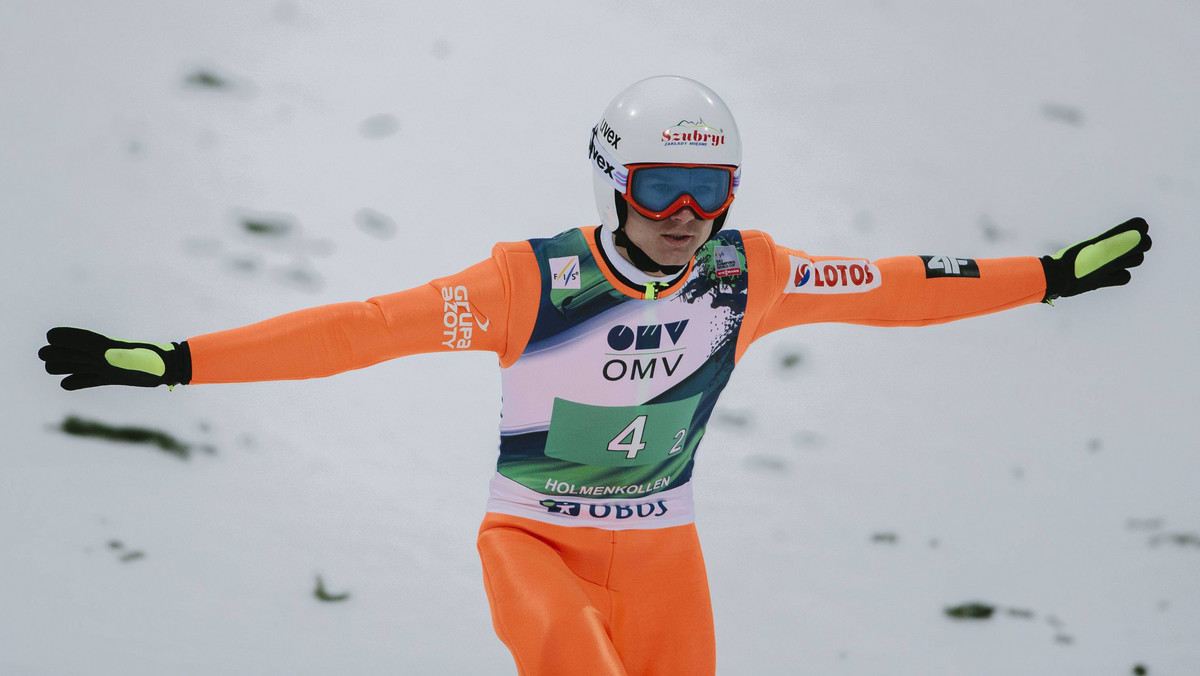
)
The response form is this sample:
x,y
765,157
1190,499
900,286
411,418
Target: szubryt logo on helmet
x,y
687,133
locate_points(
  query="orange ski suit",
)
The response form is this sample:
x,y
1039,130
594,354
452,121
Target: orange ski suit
x,y
590,556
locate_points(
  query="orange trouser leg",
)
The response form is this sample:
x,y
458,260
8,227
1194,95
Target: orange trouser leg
x,y
552,620
662,614
591,601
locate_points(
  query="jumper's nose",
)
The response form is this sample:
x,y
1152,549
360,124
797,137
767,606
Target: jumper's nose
x,y
683,215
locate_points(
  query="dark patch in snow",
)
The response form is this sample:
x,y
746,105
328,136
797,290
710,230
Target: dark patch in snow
x,y
375,223
1145,524
276,234
209,79
766,463
885,538
971,611
206,79
246,264
300,277
80,427
281,232
125,555
1177,539
807,439
379,126
323,595
978,610
732,418
991,231
267,226
1058,112
790,359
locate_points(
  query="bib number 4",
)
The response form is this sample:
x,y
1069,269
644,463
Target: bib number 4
x,y
629,440
622,436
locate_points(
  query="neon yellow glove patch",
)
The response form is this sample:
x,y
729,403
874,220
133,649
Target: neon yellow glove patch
x,y
1095,256
136,359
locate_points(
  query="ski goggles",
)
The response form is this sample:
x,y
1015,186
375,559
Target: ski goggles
x,y
658,190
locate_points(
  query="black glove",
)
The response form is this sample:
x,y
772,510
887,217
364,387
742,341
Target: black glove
x,y
1098,262
89,359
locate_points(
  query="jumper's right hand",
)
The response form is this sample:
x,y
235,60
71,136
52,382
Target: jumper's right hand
x,y
89,359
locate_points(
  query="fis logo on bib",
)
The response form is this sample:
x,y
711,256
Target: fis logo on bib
x,y
564,272
838,276
949,266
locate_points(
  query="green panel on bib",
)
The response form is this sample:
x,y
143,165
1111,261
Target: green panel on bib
x,y
620,436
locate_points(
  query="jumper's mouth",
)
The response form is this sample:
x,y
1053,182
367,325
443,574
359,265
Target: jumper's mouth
x,y
677,238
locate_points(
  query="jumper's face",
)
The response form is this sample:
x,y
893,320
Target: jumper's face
x,y
671,241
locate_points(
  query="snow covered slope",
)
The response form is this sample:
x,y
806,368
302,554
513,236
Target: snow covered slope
x,y
855,482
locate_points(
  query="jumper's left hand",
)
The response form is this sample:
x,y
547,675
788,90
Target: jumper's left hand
x,y
1098,262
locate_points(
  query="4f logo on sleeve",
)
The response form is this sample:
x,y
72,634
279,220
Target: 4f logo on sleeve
x,y
564,272
949,266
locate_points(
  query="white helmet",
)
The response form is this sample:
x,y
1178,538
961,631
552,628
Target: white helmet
x,y
665,119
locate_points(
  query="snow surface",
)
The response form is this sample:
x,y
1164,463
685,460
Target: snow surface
x,y
1043,460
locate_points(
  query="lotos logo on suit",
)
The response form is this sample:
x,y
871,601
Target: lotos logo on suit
x,y
832,276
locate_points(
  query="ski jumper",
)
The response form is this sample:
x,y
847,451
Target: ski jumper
x,y
590,556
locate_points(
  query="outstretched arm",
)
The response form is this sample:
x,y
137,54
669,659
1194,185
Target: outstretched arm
x,y
922,290
466,311
329,339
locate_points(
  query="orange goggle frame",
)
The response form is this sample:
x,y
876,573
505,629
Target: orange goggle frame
x,y
658,190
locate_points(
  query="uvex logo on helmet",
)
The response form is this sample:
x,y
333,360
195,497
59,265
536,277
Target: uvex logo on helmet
x,y
689,133
609,134
838,276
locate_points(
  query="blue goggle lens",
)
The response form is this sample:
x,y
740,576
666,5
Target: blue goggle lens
x,y
656,188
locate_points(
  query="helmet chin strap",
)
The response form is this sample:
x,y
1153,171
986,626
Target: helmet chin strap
x,y
640,259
